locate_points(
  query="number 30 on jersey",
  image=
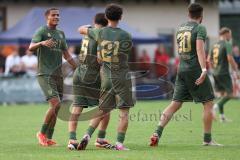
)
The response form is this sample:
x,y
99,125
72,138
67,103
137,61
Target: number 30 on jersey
x,y
184,42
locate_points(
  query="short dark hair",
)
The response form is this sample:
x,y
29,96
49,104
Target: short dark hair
x,y
113,12
224,30
100,19
49,10
195,10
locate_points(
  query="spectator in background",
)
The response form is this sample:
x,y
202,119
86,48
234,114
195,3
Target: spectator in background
x,y
13,64
236,55
145,61
30,63
161,57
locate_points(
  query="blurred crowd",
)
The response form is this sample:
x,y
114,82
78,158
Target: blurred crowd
x,y
17,60
161,65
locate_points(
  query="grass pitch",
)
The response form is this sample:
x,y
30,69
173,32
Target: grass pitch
x,y
181,139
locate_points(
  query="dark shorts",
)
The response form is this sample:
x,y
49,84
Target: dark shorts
x,y
223,83
52,86
86,87
115,93
186,90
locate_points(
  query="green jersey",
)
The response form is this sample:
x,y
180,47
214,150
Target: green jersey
x,y
50,59
114,46
218,56
187,35
88,53
89,68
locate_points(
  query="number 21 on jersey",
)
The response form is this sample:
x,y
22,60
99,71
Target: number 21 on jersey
x,y
109,51
184,42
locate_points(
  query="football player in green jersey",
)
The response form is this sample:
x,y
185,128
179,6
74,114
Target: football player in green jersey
x,y
220,56
50,45
86,86
114,45
192,82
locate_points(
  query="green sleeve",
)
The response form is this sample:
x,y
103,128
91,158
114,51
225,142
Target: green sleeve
x,y
94,33
37,37
130,43
229,48
201,32
64,43
129,36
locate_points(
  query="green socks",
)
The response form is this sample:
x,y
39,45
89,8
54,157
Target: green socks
x,y
90,130
207,137
159,131
221,103
44,128
101,134
120,137
72,135
50,133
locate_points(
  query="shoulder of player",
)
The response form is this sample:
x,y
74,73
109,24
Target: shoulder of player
x,y
60,31
41,29
216,44
227,44
125,33
182,25
96,30
201,27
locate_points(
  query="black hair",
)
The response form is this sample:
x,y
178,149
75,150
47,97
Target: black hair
x,y
100,19
49,10
113,12
195,10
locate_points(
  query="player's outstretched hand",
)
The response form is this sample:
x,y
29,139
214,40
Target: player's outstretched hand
x,y
201,79
48,43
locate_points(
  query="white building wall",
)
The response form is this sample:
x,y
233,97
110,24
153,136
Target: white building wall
x,y
150,18
146,17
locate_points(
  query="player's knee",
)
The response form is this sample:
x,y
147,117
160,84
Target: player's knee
x,y
55,102
107,115
208,104
123,116
208,107
76,110
175,104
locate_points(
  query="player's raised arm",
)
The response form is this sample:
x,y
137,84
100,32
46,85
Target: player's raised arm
x,y
83,29
91,32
